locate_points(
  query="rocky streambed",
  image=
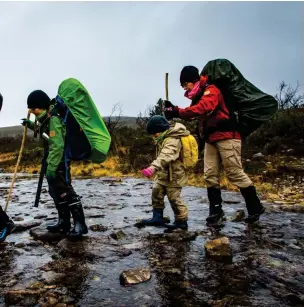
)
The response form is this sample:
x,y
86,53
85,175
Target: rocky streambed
x,y
260,265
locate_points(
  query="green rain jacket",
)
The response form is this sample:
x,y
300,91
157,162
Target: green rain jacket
x,y
55,128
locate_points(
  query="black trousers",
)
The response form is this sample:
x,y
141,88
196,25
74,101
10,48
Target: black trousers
x,y
60,188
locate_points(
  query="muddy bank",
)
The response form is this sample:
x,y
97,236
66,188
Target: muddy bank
x,y
38,269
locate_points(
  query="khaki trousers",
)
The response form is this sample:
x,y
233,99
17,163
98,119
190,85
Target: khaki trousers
x,y
227,153
174,196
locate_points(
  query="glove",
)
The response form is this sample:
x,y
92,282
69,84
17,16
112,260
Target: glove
x,y
148,172
26,122
50,174
168,104
171,113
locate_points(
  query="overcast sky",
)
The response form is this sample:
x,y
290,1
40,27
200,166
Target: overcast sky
x,y
121,50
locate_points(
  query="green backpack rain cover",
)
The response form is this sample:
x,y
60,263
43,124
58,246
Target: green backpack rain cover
x,y
252,106
87,137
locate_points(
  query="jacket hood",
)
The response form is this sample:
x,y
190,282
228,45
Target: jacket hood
x,y
178,130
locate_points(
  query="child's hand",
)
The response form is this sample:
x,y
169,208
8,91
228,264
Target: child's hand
x,y
148,172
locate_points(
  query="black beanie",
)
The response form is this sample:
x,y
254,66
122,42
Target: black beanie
x,y
38,99
189,74
157,124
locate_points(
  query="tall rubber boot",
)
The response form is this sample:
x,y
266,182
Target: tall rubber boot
x,y
7,226
178,224
156,220
80,228
63,224
216,213
253,204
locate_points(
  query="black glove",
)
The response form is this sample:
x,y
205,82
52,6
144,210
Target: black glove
x,y
171,113
168,104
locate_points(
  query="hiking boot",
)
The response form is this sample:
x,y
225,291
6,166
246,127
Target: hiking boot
x,y
178,224
253,204
156,220
216,214
63,224
80,228
7,230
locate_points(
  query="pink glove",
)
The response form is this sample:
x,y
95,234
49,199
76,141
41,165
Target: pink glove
x,y
148,172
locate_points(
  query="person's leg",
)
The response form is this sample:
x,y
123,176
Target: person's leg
x,y
7,226
230,151
179,208
212,162
57,188
158,204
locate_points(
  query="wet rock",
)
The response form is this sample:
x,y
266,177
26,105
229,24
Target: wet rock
x,y
92,248
258,156
40,233
117,235
51,300
177,235
98,227
40,217
18,218
35,285
95,216
26,225
239,216
219,249
134,246
27,297
51,277
134,276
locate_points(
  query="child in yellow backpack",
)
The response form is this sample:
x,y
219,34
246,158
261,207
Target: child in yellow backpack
x,y
170,172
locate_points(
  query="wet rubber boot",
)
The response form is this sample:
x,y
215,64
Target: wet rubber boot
x,y
63,224
7,226
178,224
216,213
80,228
156,220
253,204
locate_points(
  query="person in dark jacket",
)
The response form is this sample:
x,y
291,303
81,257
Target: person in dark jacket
x,y
222,143
7,226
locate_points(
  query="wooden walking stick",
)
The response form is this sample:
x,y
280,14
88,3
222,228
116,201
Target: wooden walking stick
x,y
167,87
167,98
18,162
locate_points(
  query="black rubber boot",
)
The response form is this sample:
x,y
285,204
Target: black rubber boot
x,y
7,226
63,224
216,213
156,220
178,224
80,228
253,204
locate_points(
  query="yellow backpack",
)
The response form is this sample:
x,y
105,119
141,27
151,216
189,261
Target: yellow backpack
x,y
189,152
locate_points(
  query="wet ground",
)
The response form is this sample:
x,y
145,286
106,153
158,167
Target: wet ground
x,y
40,270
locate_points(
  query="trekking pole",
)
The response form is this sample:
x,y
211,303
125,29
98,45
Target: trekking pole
x,y
18,161
41,176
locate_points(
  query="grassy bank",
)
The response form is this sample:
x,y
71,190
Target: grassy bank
x,y
272,185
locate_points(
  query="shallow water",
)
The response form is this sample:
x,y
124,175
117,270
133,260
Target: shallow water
x,y
267,267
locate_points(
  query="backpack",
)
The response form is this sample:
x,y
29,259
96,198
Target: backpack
x,y
248,106
87,137
189,151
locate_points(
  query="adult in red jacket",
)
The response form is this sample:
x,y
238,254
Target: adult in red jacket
x,y
222,143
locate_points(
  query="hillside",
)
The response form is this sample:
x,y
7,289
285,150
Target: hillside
x,y
14,131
